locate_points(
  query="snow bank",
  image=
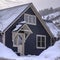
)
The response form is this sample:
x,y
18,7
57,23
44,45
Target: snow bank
x,y
52,52
6,52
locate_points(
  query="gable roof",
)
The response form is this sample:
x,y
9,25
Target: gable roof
x,y
9,16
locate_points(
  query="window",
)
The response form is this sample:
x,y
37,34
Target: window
x,y
30,19
41,41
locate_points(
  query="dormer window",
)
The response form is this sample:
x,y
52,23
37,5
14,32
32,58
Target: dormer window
x,y
30,19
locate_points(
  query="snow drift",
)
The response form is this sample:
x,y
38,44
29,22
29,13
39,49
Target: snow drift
x,y
52,53
6,52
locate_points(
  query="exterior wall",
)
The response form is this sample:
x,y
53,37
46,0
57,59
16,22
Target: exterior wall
x,y
30,44
8,36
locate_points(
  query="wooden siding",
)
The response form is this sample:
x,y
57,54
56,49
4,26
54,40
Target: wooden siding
x,y
30,45
8,35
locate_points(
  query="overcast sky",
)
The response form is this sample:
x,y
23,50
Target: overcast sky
x,y
42,4
39,4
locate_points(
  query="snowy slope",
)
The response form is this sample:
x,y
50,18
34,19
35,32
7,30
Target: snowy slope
x,y
6,52
52,52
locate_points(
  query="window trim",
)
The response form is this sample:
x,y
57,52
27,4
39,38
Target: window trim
x,y
37,41
28,19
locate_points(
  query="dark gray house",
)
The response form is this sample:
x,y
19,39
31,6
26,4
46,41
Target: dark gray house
x,y
23,30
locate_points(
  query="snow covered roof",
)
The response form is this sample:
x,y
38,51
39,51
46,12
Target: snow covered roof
x,y
54,30
51,16
7,16
17,27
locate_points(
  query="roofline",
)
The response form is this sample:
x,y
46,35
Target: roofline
x,y
15,6
30,5
17,17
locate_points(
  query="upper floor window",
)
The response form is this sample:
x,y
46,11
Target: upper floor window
x,y
30,19
41,41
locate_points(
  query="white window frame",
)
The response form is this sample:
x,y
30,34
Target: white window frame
x,y
29,15
41,40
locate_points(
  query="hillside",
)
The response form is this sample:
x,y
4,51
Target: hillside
x,y
48,11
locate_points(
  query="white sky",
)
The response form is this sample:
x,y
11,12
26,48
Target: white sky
x,y
39,4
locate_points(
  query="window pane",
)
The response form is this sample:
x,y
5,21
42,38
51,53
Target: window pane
x,y
19,40
33,20
30,19
38,39
43,41
43,44
15,40
38,44
26,18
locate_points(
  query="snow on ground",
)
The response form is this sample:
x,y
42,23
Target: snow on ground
x,y
6,52
52,53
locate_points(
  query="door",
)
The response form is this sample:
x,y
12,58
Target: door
x,y
21,43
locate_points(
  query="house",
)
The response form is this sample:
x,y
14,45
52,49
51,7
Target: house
x,y
23,30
